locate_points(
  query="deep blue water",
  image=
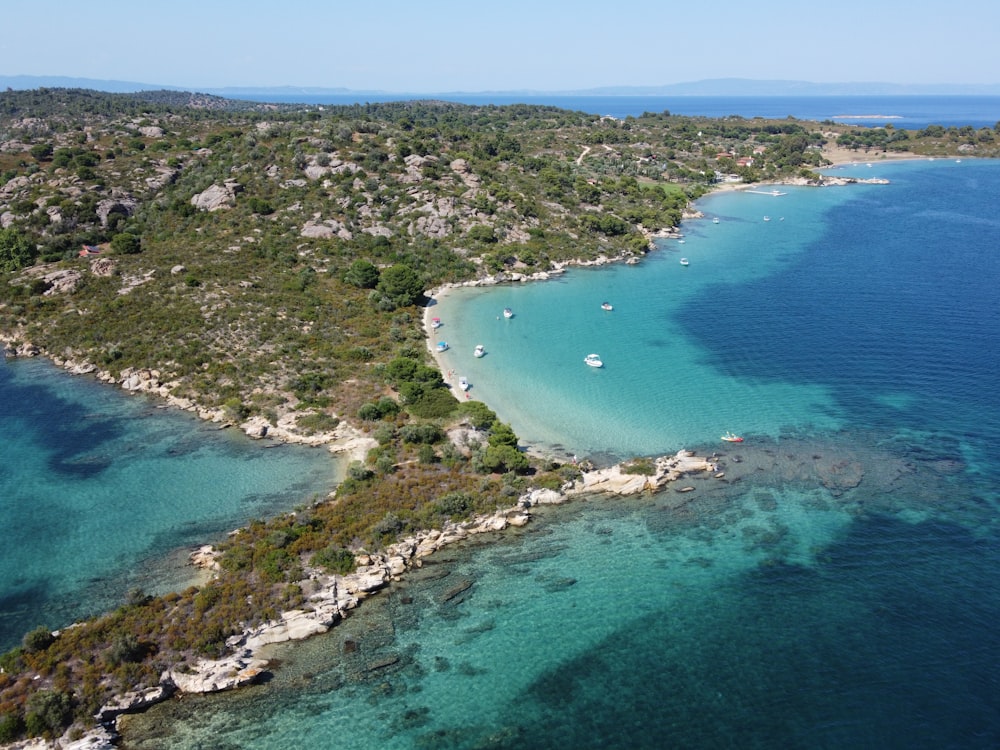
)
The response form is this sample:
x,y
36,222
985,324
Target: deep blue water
x,y
836,588
910,112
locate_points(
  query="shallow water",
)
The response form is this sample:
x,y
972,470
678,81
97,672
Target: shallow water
x,y
102,492
836,588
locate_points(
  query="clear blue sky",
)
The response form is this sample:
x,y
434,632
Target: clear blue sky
x,y
428,46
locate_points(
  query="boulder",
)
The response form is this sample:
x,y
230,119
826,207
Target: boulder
x,y
256,427
217,196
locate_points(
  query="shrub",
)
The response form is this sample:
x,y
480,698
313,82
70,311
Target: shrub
x,y
47,712
38,639
389,526
421,433
334,559
437,403
11,727
317,422
454,504
642,466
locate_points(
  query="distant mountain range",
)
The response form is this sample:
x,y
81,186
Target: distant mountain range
x,y
711,87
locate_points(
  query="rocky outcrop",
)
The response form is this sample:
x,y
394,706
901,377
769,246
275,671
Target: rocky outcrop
x,y
103,267
324,229
122,205
217,196
134,701
667,469
61,282
213,676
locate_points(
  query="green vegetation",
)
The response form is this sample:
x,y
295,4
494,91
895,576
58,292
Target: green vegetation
x,y
270,261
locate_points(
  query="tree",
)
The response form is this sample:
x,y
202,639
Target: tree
x,y
41,151
362,274
499,459
126,244
502,434
16,251
399,286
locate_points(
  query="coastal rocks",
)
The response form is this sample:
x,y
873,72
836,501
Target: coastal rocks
x,y
294,625
215,676
140,380
256,427
134,701
666,470
23,349
205,557
543,497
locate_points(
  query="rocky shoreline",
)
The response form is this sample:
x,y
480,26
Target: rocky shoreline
x,y
334,596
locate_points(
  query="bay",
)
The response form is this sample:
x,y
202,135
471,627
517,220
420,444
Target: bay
x,y
835,588
102,492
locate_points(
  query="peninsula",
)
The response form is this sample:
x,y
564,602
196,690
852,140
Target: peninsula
x,y
265,266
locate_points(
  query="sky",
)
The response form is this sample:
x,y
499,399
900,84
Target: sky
x,y
439,46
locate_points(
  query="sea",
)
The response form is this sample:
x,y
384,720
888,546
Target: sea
x,y
102,493
833,584
902,111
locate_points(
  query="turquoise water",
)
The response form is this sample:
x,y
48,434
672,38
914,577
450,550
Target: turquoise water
x,y
836,588
101,492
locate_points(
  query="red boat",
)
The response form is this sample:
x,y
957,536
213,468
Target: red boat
x,y
731,438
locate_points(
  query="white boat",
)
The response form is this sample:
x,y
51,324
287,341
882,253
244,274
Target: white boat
x,y
767,218
594,360
508,313
463,383
715,220
680,242
607,306
435,323
684,261
480,350
442,346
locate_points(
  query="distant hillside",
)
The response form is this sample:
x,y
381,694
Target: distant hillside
x,y
709,87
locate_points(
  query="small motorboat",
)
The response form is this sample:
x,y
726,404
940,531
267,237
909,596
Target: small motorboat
x,y
607,306
508,313
435,323
715,220
684,262
463,383
442,346
767,218
480,350
731,438
594,360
